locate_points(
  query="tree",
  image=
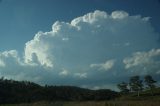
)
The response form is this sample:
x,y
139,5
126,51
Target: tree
x,y
150,82
123,87
136,84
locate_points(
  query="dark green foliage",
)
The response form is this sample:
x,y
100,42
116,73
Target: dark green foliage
x,y
123,87
136,84
14,91
102,94
26,92
150,82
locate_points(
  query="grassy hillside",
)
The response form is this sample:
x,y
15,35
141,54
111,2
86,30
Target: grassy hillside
x,y
28,92
144,95
15,93
145,99
92,103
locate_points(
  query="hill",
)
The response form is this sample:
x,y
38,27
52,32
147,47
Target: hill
x,y
144,95
26,92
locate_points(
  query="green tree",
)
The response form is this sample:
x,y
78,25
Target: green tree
x,y
150,82
136,84
123,87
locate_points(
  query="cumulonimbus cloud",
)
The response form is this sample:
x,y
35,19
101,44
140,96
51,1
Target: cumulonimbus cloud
x,y
87,32
70,49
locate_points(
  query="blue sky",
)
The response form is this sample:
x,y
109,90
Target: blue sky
x,y
87,43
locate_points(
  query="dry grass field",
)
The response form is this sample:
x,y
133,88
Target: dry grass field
x,y
92,103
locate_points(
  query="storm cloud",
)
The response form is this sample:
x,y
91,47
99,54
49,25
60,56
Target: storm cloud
x,y
92,50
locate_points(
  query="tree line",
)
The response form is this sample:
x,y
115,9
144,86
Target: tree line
x,y
12,91
25,92
136,84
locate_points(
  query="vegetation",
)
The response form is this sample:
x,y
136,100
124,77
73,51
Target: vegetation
x,y
123,87
135,93
136,84
26,92
90,103
150,82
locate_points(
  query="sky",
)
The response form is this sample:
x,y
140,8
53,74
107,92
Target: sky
x,y
86,43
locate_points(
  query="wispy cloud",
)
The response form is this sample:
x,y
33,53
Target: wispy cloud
x,y
144,62
81,75
64,72
104,66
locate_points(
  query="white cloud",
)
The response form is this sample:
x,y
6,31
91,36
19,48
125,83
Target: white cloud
x,y
64,72
92,38
112,86
65,39
38,48
2,63
81,75
119,14
108,86
90,18
7,57
84,33
127,44
104,66
12,53
144,62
